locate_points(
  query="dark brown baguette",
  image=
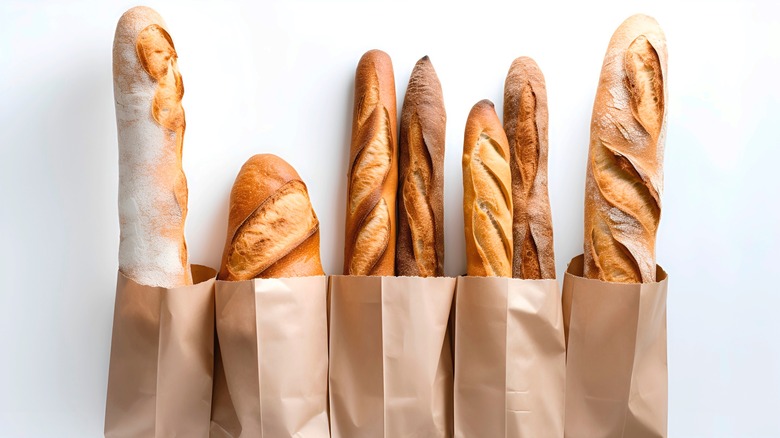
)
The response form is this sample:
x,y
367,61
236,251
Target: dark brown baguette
x,y
420,249
525,123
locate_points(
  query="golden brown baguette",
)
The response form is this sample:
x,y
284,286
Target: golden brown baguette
x,y
150,130
372,180
624,174
525,123
487,194
273,231
420,250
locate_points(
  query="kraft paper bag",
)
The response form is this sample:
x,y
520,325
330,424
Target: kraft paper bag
x,y
273,339
616,370
390,357
510,358
162,357
224,422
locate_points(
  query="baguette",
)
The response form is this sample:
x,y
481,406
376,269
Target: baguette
x,y
150,129
487,195
273,231
624,175
372,180
525,123
420,249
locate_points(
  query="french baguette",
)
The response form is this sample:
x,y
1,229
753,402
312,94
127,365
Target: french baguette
x,y
420,249
372,180
625,161
150,129
525,123
487,194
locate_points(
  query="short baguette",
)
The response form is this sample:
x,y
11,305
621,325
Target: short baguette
x,y
624,175
150,128
273,231
525,123
487,194
372,180
420,250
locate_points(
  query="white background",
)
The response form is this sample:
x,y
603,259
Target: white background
x,y
278,77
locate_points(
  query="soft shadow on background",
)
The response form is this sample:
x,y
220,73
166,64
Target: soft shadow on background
x,y
62,180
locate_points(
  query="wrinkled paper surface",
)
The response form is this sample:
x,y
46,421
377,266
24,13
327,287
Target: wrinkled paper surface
x,y
273,340
162,355
390,357
616,356
509,358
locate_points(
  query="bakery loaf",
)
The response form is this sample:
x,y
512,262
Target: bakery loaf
x,y
525,123
420,250
273,231
150,128
487,195
372,180
624,174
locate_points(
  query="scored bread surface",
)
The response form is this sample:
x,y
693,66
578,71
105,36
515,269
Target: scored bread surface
x,y
420,249
625,163
148,90
372,179
272,228
525,123
487,194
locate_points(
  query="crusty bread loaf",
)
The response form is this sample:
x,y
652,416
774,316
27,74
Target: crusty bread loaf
x,y
150,128
273,231
525,124
624,174
487,194
420,250
372,180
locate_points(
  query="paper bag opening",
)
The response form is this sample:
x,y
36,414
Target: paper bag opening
x,y
161,364
616,369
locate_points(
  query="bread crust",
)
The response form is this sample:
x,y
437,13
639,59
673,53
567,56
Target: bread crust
x,y
525,123
148,90
272,231
420,249
625,161
487,194
372,179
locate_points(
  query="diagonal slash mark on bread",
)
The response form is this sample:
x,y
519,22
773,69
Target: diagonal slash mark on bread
x,y
367,175
526,142
417,186
525,124
626,157
492,201
258,242
157,55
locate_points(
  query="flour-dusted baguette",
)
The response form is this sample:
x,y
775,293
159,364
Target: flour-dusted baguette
x,y
420,249
624,174
487,194
150,128
525,123
372,180
273,231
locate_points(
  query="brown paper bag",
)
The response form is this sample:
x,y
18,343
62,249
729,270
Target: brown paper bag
x,y
390,357
616,370
273,339
162,355
509,358
224,421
